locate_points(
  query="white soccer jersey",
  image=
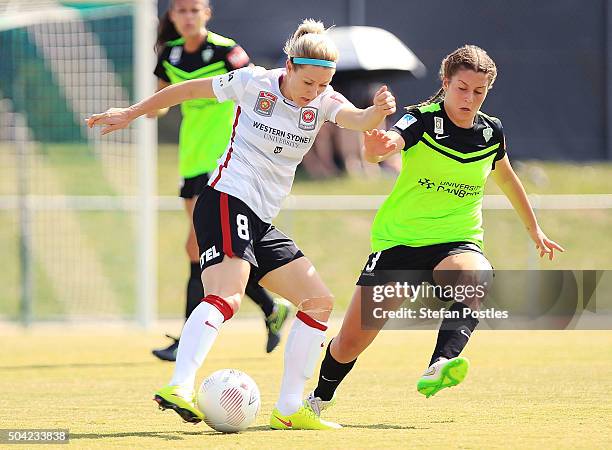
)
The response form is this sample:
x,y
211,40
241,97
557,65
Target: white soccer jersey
x,y
270,137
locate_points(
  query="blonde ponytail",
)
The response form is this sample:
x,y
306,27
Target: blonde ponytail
x,y
310,40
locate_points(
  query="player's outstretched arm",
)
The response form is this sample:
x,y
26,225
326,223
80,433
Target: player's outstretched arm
x,y
367,119
509,183
379,145
161,84
117,118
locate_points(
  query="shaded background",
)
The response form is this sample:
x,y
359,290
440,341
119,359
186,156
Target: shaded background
x,y
552,57
70,241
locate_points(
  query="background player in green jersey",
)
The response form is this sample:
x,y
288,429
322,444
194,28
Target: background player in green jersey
x,y
188,50
432,220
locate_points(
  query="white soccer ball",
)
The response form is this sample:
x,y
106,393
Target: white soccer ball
x,y
229,400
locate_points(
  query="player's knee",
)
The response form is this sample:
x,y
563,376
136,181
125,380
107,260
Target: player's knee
x,y
319,308
467,286
228,305
235,301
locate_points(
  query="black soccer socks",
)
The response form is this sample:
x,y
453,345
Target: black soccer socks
x,y
454,332
195,290
331,375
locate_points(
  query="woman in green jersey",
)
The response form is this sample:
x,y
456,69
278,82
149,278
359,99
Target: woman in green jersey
x,y
432,220
188,50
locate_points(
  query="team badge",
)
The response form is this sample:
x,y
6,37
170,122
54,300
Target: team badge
x,y
265,103
308,118
438,125
487,133
175,55
207,54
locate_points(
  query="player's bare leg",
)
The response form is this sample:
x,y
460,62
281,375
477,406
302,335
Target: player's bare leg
x,y
299,282
353,338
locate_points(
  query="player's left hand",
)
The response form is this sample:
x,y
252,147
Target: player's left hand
x,y
377,143
544,245
384,101
113,118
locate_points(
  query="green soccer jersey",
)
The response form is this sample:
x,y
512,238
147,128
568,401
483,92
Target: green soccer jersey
x,y
437,197
207,124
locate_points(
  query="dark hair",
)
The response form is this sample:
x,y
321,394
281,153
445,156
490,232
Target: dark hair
x,y
166,31
469,57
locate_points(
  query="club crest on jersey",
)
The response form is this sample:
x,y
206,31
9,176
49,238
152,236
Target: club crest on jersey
x,y
265,103
487,133
438,125
175,55
207,54
308,118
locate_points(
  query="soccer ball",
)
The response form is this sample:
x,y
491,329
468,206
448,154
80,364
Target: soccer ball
x,y
229,400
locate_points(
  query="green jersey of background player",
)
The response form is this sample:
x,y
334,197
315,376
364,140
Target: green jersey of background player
x,y
206,124
188,50
430,226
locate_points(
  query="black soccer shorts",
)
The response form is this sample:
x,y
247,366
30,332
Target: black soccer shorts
x,y
416,263
225,225
192,187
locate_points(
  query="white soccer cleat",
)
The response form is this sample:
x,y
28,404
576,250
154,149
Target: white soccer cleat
x,y
318,405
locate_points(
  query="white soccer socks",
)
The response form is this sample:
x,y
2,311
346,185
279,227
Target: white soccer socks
x,y
304,345
197,338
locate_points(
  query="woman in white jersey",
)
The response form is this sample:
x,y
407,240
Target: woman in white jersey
x,y
279,113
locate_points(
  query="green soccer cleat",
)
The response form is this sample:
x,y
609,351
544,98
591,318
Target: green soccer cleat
x,y
303,419
275,323
442,374
180,400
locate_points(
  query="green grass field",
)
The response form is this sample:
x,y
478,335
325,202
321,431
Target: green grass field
x,y
525,390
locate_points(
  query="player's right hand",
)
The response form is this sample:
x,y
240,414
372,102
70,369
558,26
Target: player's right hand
x,y
384,101
377,143
114,119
